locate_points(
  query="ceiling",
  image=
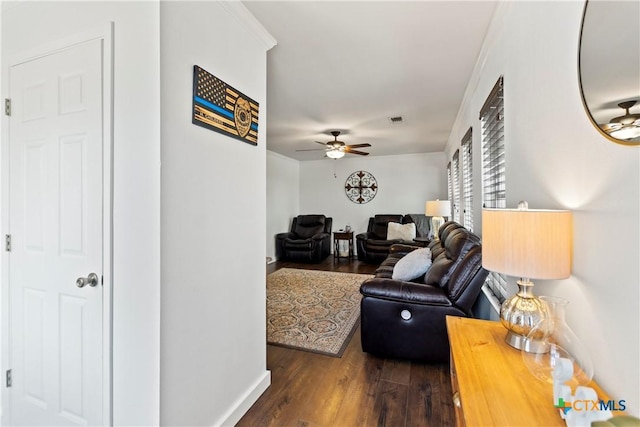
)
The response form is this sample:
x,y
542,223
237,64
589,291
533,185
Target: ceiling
x,y
349,66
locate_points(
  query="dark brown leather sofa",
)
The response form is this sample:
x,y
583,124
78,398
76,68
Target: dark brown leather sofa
x,y
308,241
406,320
373,246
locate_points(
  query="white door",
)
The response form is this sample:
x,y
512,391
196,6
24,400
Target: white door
x,y
55,221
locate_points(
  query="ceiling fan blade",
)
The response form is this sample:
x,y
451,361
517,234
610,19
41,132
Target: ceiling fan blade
x,y
314,149
336,145
361,153
610,127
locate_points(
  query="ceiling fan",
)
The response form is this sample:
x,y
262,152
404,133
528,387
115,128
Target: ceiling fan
x,y
337,149
624,127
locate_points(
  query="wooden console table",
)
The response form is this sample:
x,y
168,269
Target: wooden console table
x,y
491,384
342,235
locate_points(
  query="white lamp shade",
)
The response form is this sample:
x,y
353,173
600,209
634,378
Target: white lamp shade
x,y
438,208
534,244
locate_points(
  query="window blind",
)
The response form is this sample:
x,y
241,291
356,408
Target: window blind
x,y
493,164
467,181
455,177
493,168
497,284
449,185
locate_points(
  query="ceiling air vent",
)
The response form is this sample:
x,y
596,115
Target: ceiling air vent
x,y
397,120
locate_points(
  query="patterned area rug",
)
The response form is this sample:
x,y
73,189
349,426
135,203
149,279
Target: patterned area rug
x,y
313,310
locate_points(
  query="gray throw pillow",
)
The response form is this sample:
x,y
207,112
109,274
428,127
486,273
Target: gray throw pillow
x,y
412,265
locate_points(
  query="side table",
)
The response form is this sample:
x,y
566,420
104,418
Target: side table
x,y
342,235
491,384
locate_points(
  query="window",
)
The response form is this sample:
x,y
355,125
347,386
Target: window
x,y
455,177
493,175
493,167
467,182
449,185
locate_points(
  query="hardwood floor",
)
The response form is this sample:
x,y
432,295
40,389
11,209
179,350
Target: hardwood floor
x,y
358,389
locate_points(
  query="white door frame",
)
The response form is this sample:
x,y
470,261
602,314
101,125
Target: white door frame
x,y
105,34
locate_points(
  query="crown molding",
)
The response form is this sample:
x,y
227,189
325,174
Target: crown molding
x,y
246,18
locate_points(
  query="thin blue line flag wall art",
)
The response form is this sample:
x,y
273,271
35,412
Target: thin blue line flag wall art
x,y
221,108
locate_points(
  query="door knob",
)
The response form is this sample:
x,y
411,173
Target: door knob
x,y
91,280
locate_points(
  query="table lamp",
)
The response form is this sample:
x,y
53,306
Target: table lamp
x,y
437,209
530,244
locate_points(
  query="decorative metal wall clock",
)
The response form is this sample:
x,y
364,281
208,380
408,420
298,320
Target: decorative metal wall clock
x,y
361,187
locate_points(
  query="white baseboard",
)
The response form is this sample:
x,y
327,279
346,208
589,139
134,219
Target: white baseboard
x,y
242,406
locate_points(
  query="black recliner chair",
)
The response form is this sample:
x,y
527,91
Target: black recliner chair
x,y
373,246
406,320
308,241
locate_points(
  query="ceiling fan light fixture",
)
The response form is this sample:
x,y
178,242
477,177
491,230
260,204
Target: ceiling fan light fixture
x,y
625,127
337,149
335,154
628,117
626,132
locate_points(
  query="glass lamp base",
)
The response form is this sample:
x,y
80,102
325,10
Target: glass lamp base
x,y
522,343
520,314
436,223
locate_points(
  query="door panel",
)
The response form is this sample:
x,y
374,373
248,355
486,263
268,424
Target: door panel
x,y
34,317
55,219
73,321
35,192
72,206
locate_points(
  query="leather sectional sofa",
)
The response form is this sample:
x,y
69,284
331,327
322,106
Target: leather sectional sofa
x,y
406,319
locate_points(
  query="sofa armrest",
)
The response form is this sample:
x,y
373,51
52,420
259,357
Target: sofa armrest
x,y
321,236
402,248
410,292
281,236
364,236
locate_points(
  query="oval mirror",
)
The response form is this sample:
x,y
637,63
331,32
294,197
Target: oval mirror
x,y
609,68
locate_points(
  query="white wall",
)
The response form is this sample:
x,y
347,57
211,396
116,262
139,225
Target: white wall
x,y
136,187
556,159
213,339
282,196
405,183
